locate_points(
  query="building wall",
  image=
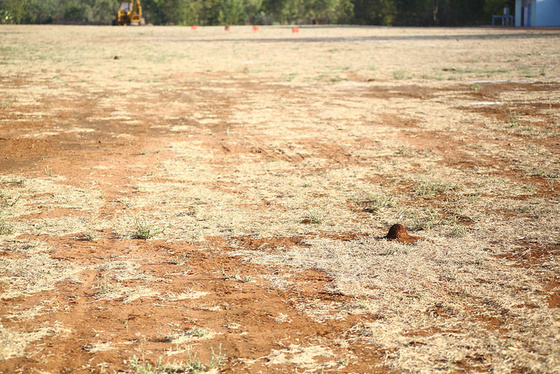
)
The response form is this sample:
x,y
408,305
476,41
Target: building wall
x,y
537,12
547,13
525,14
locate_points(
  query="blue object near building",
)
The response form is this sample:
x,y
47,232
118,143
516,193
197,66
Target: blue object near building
x,y
537,13
506,20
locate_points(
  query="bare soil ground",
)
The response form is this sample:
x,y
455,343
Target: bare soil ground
x,y
175,200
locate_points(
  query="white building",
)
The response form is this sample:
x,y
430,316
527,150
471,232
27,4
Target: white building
x,y
537,12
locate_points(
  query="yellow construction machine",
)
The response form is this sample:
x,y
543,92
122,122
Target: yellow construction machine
x,y
130,13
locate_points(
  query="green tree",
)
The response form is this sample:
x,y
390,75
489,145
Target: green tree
x,y
374,12
16,10
344,11
232,12
189,13
221,12
101,11
253,8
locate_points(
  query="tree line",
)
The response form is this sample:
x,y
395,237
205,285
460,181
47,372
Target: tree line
x,y
261,12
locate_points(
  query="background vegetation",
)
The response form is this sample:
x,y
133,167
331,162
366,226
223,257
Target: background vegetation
x,y
261,12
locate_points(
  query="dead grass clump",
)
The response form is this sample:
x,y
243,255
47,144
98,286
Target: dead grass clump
x,y
307,357
5,227
114,281
108,289
187,295
39,196
189,336
13,344
35,272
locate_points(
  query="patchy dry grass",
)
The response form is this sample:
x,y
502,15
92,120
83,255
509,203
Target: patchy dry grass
x,y
455,288
265,168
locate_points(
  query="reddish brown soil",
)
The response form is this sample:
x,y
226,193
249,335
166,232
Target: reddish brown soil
x,y
142,325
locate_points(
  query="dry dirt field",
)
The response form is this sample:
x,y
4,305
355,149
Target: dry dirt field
x,y
177,200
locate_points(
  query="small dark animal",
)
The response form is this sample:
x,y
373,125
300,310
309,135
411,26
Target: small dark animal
x,y
398,232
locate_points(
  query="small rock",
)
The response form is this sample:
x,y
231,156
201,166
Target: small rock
x,y
116,58
398,232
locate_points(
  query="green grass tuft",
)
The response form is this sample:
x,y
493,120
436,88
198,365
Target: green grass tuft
x,y
146,230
